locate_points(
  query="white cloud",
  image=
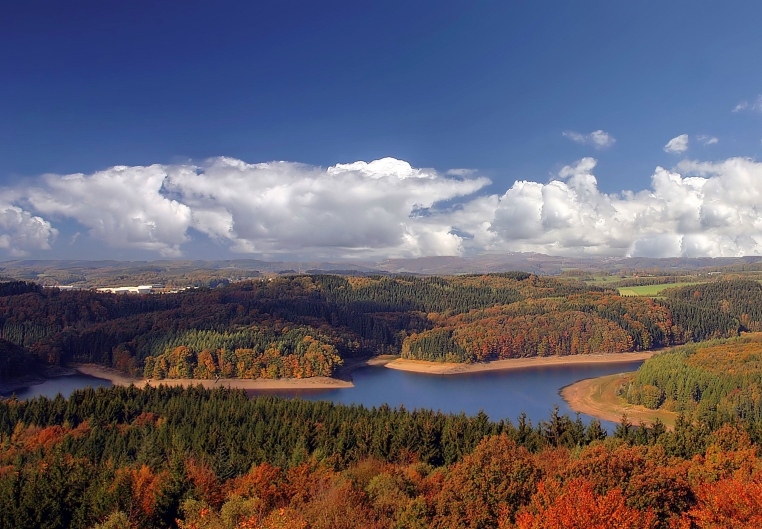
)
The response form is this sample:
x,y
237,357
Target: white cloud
x,y
678,144
121,206
745,105
707,140
602,139
21,231
461,172
387,208
575,136
598,138
714,213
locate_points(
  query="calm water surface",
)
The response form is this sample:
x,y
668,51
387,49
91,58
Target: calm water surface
x,y
500,394
63,385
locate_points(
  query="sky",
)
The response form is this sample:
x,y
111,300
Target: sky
x,y
372,130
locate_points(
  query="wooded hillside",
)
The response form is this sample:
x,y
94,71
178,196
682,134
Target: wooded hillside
x,y
306,325
721,378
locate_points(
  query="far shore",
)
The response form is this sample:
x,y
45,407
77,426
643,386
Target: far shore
x,y
449,368
120,379
343,375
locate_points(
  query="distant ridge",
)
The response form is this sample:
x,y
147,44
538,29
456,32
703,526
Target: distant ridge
x,y
213,272
552,265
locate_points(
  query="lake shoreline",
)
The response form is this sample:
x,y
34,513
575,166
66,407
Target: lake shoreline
x,y
597,398
118,378
445,368
342,378
12,385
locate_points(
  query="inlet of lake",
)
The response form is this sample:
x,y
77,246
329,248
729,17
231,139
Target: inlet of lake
x,y
500,394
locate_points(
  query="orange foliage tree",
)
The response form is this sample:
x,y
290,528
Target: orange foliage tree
x,y
575,505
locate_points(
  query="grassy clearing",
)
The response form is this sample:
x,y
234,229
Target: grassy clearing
x,y
651,290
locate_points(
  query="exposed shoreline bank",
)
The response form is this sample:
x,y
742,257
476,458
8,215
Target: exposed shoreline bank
x,y
445,368
342,378
120,379
597,397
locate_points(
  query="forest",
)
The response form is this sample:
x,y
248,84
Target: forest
x,y
308,325
720,379
194,458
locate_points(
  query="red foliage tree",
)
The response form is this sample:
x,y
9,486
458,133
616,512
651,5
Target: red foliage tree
x,y
575,505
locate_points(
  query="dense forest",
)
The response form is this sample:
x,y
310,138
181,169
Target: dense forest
x,y
720,378
195,458
307,325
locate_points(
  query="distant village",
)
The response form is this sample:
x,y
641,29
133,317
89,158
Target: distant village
x,y
141,289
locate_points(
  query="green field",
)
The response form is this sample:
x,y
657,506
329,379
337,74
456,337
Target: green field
x,y
651,290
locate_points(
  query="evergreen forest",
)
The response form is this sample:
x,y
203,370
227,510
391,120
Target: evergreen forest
x,y
719,379
196,458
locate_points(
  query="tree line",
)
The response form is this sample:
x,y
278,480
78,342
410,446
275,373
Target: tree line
x,y
196,458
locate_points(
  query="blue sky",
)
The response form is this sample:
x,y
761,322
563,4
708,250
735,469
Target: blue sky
x,y
511,91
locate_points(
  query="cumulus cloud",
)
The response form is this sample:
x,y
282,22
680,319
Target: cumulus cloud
x,y
677,145
598,138
707,140
387,208
121,206
21,231
382,207
714,212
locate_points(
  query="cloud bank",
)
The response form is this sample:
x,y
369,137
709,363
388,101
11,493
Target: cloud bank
x,y
387,208
279,207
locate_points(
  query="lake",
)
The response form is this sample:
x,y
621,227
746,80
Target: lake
x,y
500,394
65,385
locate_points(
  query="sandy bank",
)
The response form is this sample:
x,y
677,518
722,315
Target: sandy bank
x,y
352,364
444,368
120,379
597,397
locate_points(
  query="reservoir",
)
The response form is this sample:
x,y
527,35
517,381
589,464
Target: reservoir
x,y
500,394
64,385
